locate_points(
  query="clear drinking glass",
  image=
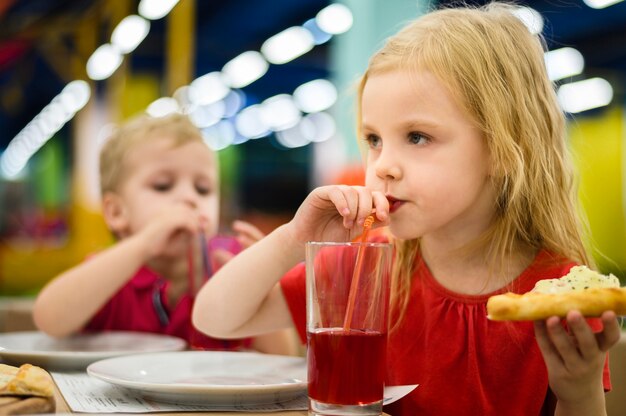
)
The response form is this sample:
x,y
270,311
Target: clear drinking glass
x,y
347,316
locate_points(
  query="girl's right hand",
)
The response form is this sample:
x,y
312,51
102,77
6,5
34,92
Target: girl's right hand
x,y
337,213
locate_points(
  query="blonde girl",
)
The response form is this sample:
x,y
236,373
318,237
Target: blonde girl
x,y
467,166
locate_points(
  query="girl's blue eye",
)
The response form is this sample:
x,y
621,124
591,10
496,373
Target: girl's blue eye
x,y
417,138
373,141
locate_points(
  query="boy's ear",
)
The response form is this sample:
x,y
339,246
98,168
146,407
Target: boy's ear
x,y
114,213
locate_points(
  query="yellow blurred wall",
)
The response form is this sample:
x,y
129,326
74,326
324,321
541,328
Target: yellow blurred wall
x,y
597,146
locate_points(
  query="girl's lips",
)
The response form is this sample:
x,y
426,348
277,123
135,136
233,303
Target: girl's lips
x,y
394,204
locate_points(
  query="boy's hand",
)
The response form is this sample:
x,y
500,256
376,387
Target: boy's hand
x,y
337,213
170,231
575,360
247,233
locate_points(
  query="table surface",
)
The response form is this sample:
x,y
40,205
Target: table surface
x,y
62,407
9,307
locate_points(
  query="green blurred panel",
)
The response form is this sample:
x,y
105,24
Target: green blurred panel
x,y
230,172
229,160
47,175
597,147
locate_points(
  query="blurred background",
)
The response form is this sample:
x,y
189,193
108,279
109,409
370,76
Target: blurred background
x,y
270,83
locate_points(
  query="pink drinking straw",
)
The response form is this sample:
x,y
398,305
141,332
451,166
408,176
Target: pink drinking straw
x,y
192,272
196,278
356,274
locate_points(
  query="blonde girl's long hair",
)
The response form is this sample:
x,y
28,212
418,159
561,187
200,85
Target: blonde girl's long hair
x,y
495,69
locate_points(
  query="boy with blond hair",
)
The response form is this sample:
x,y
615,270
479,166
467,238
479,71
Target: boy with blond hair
x,y
160,195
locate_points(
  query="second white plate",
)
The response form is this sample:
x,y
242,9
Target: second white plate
x,y
207,377
78,351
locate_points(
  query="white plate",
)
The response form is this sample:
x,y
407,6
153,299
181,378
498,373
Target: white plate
x,y
78,351
207,377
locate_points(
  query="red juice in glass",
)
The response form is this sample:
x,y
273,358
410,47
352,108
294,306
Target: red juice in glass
x,y
346,366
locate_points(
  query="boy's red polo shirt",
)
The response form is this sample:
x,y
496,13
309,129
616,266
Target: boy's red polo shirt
x,y
136,306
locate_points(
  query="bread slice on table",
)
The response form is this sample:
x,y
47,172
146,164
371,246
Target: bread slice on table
x,y
25,390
